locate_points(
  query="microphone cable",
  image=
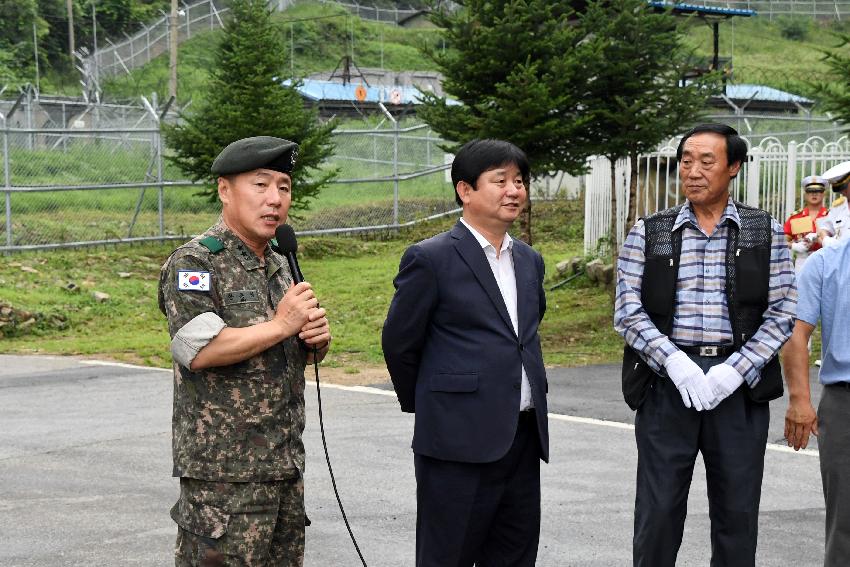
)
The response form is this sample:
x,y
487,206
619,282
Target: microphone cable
x,y
328,457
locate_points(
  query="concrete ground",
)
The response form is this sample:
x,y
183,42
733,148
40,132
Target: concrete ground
x,y
85,470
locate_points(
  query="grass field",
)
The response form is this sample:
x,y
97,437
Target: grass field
x,y
353,278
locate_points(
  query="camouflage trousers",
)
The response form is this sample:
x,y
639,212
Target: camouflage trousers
x,y
240,524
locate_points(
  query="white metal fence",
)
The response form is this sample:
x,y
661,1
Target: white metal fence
x,y
770,179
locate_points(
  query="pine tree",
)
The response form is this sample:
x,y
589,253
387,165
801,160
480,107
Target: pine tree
x,y
835,93
633,96
245,99
504,60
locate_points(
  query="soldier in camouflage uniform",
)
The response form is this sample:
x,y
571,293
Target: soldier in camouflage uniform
x,y
235,320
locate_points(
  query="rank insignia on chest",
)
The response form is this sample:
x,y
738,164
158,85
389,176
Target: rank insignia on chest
x,y
193,281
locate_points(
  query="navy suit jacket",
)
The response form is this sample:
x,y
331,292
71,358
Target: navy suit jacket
x,y
452,353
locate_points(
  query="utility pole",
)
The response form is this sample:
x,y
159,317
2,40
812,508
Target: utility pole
x,y
172,61
35,46
70,5
94,36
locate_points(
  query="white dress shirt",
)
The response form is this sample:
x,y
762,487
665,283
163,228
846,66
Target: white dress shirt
x,y
503,270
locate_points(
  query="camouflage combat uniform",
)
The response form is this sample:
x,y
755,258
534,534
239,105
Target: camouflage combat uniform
x,y
237,429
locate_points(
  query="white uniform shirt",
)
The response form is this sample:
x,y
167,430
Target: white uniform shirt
x,y
503,271
837,221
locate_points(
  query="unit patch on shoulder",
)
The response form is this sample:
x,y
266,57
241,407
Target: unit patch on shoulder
x,y
212,244
193,281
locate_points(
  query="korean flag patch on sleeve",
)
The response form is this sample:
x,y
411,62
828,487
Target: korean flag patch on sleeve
x,y
193,281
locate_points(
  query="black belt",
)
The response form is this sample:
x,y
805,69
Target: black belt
x,y
842,385
708,350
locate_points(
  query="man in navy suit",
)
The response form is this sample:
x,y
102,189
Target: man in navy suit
x,y
462,349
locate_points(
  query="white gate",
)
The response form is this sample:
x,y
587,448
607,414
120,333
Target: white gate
x,y
770,179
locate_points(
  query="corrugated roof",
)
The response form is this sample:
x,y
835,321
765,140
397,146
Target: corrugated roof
x,y
328,90
763,93
702,9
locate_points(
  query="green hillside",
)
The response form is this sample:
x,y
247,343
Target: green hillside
x,y
784,53
319,35
763,52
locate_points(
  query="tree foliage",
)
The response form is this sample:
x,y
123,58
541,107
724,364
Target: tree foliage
x,y
504,62
835,94
247,99
633,94
17,52
561,84
17,57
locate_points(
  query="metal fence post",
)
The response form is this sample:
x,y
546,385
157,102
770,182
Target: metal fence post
x,y
395,174
8,182
160,191
753,178
791,180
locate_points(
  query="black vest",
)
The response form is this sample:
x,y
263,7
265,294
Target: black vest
x,y
747,284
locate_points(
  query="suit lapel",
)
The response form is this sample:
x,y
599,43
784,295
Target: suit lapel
x,y
471,252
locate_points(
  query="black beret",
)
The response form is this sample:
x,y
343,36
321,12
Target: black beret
x,y
256,152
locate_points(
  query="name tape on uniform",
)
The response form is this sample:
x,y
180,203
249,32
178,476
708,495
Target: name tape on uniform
x,y
193,281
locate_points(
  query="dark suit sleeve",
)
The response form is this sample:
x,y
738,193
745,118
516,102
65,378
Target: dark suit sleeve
x,y
407,323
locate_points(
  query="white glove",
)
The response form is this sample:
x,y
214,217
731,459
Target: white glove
x,y
800,247
724,380
811,238
690,380
830,241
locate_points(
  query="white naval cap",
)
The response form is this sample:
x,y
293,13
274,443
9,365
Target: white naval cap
x,y
838,175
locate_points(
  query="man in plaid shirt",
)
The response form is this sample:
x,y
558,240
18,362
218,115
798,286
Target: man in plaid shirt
x,y
705,299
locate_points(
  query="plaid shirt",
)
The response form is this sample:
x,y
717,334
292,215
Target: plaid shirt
x,y
701,316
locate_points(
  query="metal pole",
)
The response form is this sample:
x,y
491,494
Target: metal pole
x,y
64,126
70,7
395,174
94,39
395,161
161,190
8,181
173,25
35,46
30,136
790,181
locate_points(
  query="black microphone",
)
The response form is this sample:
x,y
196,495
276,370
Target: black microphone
x,y
288,246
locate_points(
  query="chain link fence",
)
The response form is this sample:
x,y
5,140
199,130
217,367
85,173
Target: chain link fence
x,y
121,57
72,186
34,110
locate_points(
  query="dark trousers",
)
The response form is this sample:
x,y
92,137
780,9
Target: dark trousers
x,y
732,439
485,514
834,447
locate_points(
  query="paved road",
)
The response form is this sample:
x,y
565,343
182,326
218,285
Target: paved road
x,y
85,465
